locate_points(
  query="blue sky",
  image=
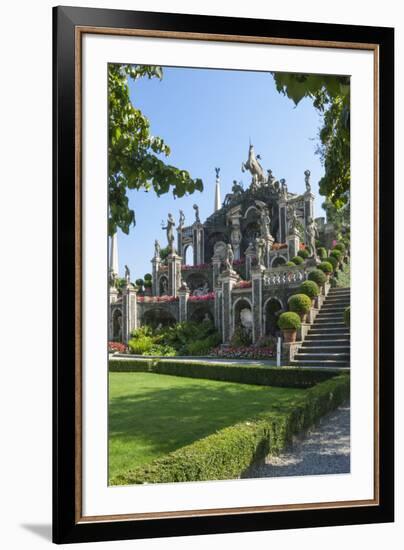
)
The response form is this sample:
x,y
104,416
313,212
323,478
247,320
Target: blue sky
x,y
207,117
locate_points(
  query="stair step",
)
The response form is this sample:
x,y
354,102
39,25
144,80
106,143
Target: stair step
x,y
324,363
320,356
314,347
328,323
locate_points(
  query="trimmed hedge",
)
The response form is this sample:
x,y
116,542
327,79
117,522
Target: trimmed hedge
x,y
228,453
326,267
303,254
318,276
299,303
341,247
283,377
310,288
333,261
290,264
322,252
289,320
337,254
297,260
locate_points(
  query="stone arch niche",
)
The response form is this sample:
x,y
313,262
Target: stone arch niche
x,y
197,282
188,254
201,313
272,309
163,285
243,315
278,261
213,238
158,316
117,325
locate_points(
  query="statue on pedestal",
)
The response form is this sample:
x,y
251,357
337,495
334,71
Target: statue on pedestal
x,y
127,274
157,249
229,258
169,227
265,223
259,251
312,235
254,167
181,220
284,188
293,222
307,181
197,218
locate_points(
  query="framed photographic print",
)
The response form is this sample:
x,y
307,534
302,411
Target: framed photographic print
x,y
223,280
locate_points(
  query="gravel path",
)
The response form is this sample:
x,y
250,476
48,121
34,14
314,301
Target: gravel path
x,y
325,449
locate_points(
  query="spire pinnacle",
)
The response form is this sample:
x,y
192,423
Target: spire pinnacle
x,y
218,201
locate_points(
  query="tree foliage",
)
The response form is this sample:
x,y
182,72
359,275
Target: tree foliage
x,y
331,97
133,153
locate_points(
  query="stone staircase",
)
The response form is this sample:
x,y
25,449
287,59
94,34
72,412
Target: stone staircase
x,y
327,343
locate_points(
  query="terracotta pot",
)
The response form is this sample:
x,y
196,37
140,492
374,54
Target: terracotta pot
x,y
289,335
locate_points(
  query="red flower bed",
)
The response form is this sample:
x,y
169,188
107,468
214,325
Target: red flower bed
x,y
204,298
118,347
155,299
243,353
197,266
239,262
243,284
302,246
279,246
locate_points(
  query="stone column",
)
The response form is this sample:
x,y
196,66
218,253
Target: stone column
x,y
228,279
179,241
268,243
218,308
308,211
113,295
293,242
129,321
256,276
174,274
216,263
249,257
183,303
198,243
283,226
155,273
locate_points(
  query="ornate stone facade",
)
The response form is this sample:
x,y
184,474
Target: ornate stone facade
x,y
239,254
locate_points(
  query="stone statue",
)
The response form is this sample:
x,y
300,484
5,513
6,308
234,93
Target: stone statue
x,y
197,218
254,167
307,181
181,220
127,274
293,223
229,259
259,251
312,235
157,249
169,227
113,279
237,188
265,223
271,178
163,285
284,188
217,170
202,290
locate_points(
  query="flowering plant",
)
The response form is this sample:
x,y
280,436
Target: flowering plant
x,y
243,352
155,299
197,266
243,284
204,298
278,246
117,347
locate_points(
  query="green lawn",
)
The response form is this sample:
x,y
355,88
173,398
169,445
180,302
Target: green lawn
x,y
153,414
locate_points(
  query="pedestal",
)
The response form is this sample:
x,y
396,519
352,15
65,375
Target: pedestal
x,y
198,243
227,279
293,242
113,295
256,277
129,321
155,274
174,274
183,304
